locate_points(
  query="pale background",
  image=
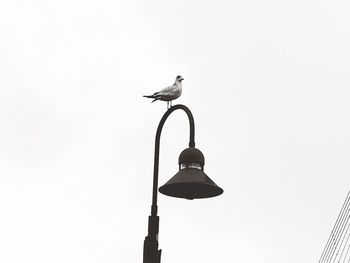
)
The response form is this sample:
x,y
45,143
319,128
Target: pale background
x,y
267,82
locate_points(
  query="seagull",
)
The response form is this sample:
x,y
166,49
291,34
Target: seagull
x,y
168,94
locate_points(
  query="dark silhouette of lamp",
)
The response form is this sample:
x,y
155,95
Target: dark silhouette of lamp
x,y
191,182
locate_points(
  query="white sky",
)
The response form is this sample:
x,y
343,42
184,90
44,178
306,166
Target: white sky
x,y
267,82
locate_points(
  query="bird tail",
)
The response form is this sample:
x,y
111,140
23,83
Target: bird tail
x,y
155,97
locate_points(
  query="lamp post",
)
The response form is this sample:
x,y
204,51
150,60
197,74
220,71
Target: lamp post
x,y
190,182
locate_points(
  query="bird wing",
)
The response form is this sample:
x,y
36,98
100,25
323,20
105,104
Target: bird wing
x,y
166,91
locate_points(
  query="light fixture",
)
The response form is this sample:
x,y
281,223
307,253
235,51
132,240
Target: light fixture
x,y
191,182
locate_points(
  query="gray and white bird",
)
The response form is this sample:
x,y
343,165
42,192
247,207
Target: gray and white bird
x,y
168,94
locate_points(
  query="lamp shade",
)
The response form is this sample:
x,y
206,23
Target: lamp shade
x,y
191,182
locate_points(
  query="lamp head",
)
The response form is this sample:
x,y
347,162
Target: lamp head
x,y
191,182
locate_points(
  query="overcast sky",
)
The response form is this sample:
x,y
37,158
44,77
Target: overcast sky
x,y
268,85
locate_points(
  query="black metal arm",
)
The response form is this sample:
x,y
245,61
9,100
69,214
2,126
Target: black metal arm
x,y
151,254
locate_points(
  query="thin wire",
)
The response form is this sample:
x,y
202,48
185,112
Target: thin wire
x,y
333,237
338,237
345,222
345,245
335,232
346,226
329,241
341,229
346,254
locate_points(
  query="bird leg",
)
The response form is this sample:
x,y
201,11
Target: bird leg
x,y
169,104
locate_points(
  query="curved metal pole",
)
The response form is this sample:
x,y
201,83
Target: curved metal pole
x,y
151,254
157,144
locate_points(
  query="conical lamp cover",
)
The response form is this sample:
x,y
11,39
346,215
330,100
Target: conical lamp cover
x,y
191,183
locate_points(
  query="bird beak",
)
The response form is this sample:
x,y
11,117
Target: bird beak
x,y
181,79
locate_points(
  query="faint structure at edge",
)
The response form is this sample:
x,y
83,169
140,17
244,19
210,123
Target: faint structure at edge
x,y
338,244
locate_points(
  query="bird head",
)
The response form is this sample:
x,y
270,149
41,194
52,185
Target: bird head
x,y
179,78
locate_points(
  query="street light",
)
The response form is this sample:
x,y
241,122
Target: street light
x,y
190,183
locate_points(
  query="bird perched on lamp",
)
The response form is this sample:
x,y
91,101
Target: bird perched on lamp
x,y
168,94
